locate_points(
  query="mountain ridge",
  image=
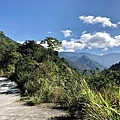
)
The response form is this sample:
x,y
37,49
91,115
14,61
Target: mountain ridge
x,y
91,64
106,60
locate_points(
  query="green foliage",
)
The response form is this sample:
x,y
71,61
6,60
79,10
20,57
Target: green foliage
x,y
44,77
7,51
1,73
116,67
41,70
2,33
89,105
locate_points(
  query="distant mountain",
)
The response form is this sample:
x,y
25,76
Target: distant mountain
x,y
81,61
77,66
72,56
87,62
104,61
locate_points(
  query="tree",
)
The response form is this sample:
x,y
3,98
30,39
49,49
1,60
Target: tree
x,y
33,50
7,52
2,33
52,43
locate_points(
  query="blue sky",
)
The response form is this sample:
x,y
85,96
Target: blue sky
x,y
82,25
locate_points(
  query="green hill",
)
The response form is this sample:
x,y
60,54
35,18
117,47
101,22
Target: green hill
x,y
7,52
6,40
37,70
6,44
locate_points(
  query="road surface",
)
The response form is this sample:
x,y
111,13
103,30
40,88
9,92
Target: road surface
x,y
11,108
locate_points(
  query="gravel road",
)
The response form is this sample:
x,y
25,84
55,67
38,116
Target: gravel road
x,y
11,108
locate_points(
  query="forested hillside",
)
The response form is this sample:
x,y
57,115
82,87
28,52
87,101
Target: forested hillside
x,y
43,77
8,54
116,67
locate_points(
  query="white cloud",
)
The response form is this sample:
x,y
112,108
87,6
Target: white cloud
x,y
49,32
73,39
72,45
84,32
101,54
118,23
66,50
94,20
67,33
100,40
105,49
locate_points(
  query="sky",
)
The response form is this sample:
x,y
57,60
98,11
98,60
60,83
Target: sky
x,y
81,25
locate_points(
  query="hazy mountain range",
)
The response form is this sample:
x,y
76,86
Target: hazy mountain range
x,y
89,61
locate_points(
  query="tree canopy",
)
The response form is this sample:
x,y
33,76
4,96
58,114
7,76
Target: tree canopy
x,y
52,43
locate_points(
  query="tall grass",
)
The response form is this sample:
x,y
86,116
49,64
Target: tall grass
x,y
96,106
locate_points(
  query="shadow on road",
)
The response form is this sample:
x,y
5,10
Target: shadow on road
x,y
7,86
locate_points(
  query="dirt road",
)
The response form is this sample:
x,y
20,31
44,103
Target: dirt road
x,y
11,108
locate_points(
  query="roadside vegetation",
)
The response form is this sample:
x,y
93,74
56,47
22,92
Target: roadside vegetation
x,y
43,77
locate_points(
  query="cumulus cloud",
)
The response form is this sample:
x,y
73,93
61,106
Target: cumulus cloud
x,y
94,20
72,45
67,33
100,40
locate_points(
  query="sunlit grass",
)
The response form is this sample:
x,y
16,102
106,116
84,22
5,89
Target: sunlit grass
x,y
98,106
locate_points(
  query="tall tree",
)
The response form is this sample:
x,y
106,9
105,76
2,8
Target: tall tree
x,y
52,43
